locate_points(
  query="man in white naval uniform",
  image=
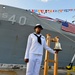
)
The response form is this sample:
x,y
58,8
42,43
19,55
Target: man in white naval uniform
x,y
34,51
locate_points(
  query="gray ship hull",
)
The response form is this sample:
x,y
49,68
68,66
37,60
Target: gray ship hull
x,y
15,26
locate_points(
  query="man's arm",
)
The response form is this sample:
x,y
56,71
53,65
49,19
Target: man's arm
x,y
26,58
48,48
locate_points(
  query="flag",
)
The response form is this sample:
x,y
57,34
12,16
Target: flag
x,y
66,10
35,11
39,11
51,10
45,17
48,11
55,10
42,11
60,10
68,27
32,10
71,9
65,24
45,11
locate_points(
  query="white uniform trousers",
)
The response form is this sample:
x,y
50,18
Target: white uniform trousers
x,y
33,66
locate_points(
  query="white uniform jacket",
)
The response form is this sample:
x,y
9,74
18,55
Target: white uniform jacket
x,y
36,48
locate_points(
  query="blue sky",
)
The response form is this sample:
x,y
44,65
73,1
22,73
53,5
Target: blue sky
x,y
45,4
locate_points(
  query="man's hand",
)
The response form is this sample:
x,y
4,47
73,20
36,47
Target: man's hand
x,y
56,51
26,60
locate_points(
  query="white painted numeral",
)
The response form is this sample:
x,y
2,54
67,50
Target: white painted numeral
x,y
12,19
22,20
4,15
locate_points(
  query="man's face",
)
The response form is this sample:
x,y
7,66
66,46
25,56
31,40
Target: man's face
x,y
38,30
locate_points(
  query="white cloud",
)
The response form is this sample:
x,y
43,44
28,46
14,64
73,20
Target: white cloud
x,y
44,0
48,0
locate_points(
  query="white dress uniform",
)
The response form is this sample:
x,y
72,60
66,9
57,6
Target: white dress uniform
x,y
34,53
